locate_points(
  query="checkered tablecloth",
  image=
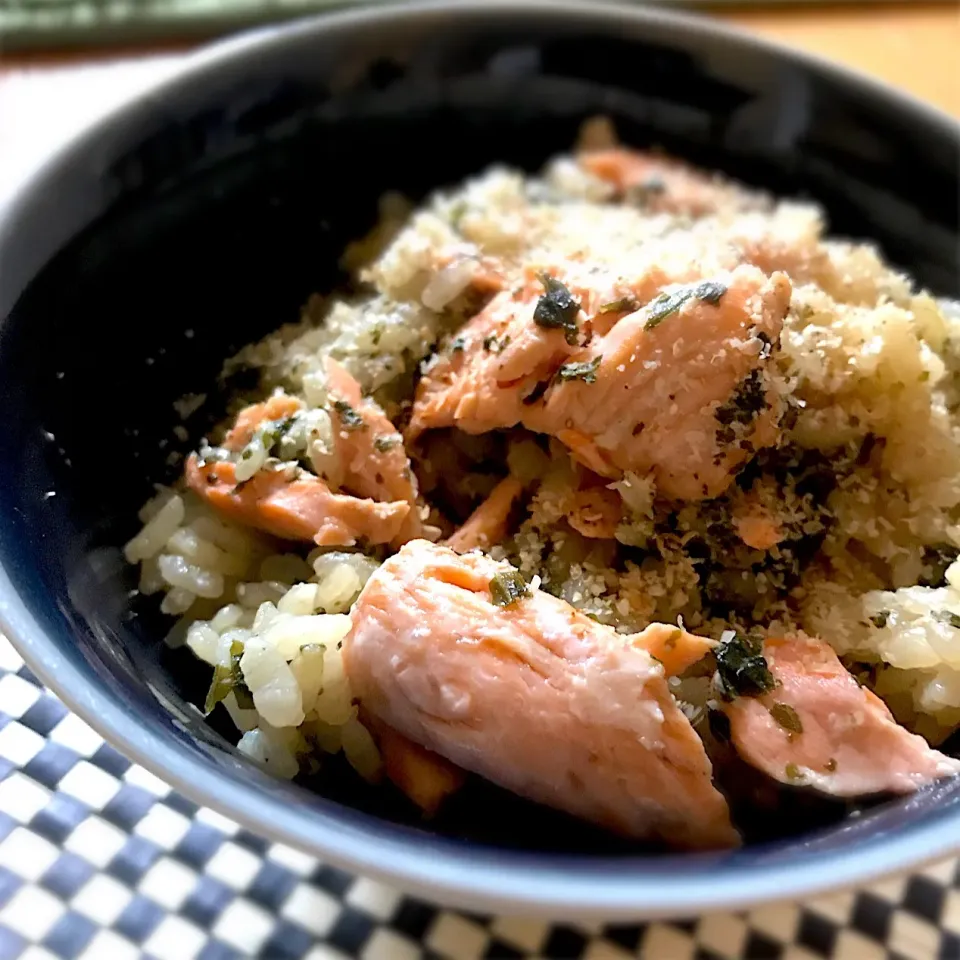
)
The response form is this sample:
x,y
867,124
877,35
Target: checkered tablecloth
x,y
99,860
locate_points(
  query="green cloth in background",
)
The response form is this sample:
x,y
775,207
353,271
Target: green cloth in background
x,y
50,24
53,24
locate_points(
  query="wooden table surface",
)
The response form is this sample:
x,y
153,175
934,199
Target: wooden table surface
x,y
914,45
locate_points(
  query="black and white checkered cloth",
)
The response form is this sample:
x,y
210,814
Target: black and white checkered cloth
x,y
99,860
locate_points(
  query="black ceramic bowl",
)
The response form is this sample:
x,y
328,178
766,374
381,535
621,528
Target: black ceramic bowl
x,y
202,215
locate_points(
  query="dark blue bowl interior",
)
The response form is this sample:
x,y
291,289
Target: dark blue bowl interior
x,y
200,219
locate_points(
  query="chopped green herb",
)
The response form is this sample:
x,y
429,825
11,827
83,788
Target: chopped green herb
x,y
349,418
489,342
663,306
508,587
586,371
226,678
625,304
879,620
557,308
243,696
376,335
268,438
709,291
742,670
386,442
793,772
945,616
286,444
458,345
787,717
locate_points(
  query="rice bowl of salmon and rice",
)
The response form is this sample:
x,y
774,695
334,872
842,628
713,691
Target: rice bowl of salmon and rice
x,y
620,485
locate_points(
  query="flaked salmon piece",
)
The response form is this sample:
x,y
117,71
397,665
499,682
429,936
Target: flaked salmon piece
x,y
422,775
278,407
534,696
675,648
678,387
688,398
755,524
479,384
371,451
294,508
488,524
820,728
662,184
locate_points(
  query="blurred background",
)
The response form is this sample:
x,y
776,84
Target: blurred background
x,y
62,62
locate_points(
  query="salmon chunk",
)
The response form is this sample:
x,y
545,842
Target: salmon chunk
x,y
756,524
371,451
664,185
679,387
422,775
278,407
515,685
674,647
295,507
488,524
819,728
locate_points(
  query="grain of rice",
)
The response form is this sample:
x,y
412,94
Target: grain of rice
x,y
276,693
299,599
204,641
177,601
151,580
251,595
307,667
188,576
156,531
187,543
265,615
226,536
361,751
226,617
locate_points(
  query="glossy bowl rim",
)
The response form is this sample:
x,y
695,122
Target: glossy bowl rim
x,y
472,877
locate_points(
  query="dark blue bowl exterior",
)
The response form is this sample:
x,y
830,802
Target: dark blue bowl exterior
x,y
202,217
